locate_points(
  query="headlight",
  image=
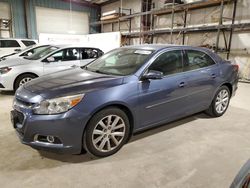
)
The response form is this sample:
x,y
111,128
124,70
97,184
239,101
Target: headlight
x,y
57,105
4,70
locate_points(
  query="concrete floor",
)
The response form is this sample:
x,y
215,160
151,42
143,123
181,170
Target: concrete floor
x,y
197,151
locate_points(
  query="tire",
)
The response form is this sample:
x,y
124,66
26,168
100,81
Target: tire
x,y
100,139
242,179
214,110
21,80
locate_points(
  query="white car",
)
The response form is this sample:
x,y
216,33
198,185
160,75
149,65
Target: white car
x,y
10,46
28,51
15,72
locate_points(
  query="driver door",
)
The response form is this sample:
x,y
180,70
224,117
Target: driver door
x,y
165,99
61,60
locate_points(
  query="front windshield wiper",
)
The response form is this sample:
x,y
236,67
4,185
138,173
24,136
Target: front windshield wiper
x,y
100,72
92,70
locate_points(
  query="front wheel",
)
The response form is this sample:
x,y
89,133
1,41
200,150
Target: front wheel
x,y
107,132
23,79
220,102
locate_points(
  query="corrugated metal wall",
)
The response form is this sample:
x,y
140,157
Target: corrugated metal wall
x,y
18,14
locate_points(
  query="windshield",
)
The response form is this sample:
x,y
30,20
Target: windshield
x,y
41,53
34,50
24,49
120,62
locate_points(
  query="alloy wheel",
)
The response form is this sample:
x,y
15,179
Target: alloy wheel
x,y
25,80
222,100
108,133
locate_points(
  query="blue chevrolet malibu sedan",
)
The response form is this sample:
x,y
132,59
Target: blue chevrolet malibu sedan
x,y
98,107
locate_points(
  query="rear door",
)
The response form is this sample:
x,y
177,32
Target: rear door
x,y
202,75
61,60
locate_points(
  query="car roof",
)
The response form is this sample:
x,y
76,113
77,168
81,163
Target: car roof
x,y
157,47
72,46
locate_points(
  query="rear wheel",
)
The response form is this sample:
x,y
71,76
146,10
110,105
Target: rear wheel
x,y
107,132
23,79
220,102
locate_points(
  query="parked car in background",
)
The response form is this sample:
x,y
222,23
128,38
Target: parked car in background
x,y
10,46
15,72
99,106
28,51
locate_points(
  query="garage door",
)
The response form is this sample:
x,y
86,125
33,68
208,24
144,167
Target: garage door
x,y
61,21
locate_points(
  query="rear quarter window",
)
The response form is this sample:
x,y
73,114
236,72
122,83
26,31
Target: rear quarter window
x,y
9,44
28,42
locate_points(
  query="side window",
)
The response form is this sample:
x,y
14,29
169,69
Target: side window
x,y
197,59
58,56
85,53
70,54
89,53
28,42
168,63
100,53
9,44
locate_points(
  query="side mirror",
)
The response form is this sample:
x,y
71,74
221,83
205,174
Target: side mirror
x,y
153,75
50,59
29,54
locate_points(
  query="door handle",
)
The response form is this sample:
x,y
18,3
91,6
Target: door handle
x,y
182,84
213,75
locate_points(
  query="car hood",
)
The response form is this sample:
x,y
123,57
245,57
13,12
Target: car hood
x,y
8,56
11,62
71,81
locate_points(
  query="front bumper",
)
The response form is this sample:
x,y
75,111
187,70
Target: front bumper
x,y
68,127
6,82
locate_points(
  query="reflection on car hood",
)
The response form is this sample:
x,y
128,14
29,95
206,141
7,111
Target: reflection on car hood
x,y
71,81
11,62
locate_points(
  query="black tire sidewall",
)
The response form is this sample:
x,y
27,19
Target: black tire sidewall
x,y
18,80
91,125
214,100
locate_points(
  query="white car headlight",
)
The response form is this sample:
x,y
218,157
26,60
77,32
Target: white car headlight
x,y
57,105
4,70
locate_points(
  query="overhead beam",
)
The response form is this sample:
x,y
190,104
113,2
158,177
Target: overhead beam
x,y
82,3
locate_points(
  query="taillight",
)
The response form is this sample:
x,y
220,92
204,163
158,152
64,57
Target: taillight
x,y
236,67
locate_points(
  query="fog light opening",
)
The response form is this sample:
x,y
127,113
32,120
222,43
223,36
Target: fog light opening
x,y
50,139
47,139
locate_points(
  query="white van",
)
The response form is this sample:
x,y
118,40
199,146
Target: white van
x,y
10,46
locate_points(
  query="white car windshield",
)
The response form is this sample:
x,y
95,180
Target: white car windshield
x,y
29,47
41,53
